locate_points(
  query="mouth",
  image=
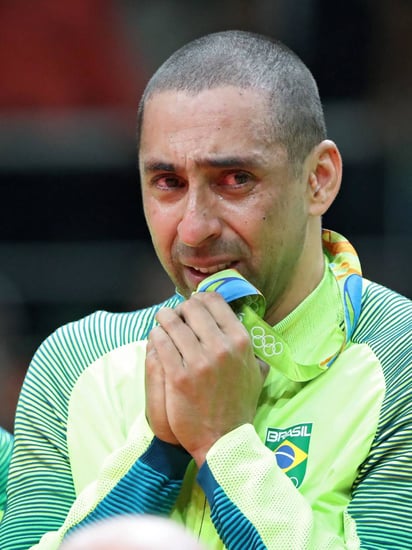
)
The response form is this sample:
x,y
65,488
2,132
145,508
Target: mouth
x,y
194,273
210,270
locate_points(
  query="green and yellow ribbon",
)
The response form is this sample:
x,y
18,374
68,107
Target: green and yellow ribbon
x,y
250,305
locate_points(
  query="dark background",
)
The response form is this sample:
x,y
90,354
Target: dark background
x,y
73,238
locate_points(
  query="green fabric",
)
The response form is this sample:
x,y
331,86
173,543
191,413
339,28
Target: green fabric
x,y
6,447
80,424
240,452
268,343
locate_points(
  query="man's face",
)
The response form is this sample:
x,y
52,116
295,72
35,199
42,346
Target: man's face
x,y
218,192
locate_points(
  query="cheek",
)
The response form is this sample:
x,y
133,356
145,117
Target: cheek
x,y
160,223
253,221
272,226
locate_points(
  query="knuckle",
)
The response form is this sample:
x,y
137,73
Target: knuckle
x,y
168,320
224,350
183,309
242,339
203,363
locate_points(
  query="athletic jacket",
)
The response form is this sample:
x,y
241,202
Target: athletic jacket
x,y
6,446
327,463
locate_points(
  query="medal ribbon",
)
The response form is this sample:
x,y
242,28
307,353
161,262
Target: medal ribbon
x,y
250,305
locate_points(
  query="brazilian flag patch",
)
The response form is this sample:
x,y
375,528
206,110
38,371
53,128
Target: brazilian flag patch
x,y
291,447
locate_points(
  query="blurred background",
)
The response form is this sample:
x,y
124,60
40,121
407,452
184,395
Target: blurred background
x,y
73,238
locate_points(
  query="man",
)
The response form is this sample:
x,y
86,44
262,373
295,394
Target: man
x,y
6,447
173,410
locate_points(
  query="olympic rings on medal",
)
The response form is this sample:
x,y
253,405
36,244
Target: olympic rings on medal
x,y
265,342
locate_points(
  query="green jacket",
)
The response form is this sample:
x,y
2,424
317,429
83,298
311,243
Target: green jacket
x,y
327,463
6,446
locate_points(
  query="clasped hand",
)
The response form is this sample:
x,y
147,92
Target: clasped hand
x,y
202,378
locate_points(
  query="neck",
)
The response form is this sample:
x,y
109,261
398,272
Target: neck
x,y
305,279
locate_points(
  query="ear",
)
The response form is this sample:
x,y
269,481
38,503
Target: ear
x,y
325,176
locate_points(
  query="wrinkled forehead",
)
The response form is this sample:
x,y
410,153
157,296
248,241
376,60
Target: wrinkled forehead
x,y
226,120
215,109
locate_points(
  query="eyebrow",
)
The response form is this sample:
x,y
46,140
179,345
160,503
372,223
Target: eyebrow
x,y
158,166
215,162
228,162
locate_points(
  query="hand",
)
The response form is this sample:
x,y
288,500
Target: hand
x,y
155,394
212,380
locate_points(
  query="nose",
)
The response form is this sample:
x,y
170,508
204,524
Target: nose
x,y
200,220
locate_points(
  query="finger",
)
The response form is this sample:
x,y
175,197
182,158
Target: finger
x,y
181,325
167,353
193,331
220,311
154,375
155,387
224,324
209,315
154,381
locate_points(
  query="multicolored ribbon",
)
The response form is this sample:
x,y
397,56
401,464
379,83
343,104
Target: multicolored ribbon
x,y
269,346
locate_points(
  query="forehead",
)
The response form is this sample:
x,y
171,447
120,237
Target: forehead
x,y
219,96
213,120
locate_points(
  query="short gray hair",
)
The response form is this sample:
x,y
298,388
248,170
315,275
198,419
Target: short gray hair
x,y
249,61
